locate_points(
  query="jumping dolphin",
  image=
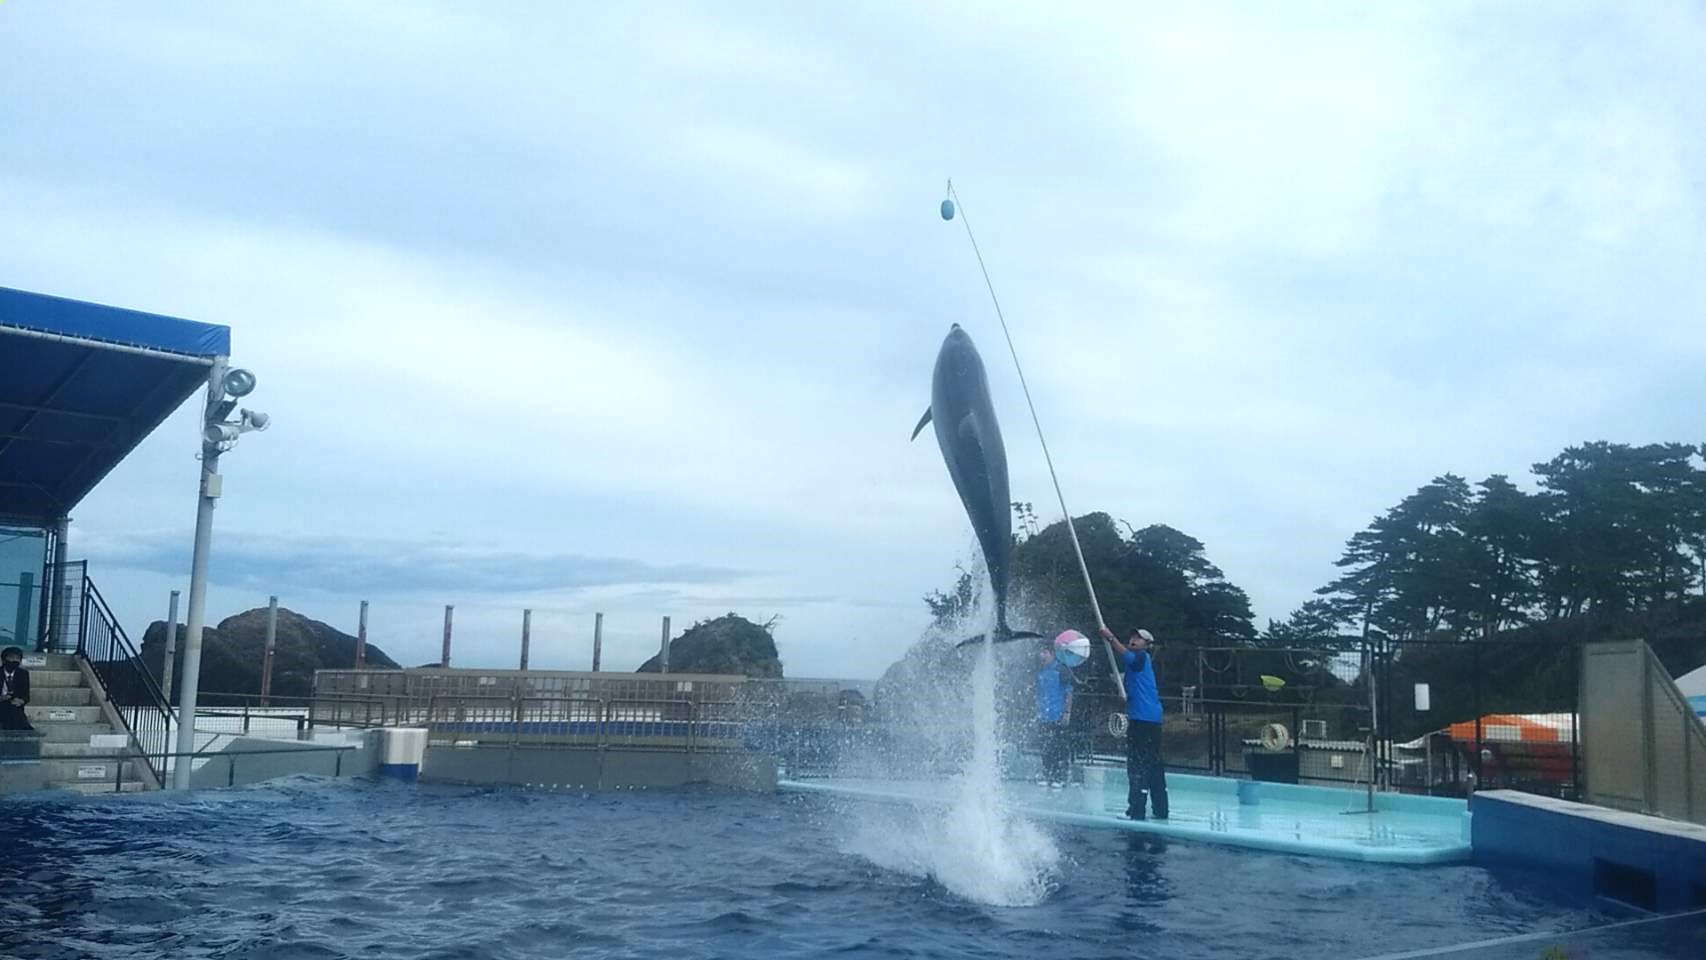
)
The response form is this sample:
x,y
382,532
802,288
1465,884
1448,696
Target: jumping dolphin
x,y
971,445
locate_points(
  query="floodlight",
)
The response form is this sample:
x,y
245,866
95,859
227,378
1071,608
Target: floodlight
x,y
238,382
254,420
220,433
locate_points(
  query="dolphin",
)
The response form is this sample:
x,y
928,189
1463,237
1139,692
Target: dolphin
x,y
971,446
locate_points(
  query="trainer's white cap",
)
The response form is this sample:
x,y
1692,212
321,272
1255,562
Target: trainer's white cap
x,y
1147,636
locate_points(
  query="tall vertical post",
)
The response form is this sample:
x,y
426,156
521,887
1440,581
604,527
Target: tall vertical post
x,y
663,652
526,633
207,496
272,643
59,614
361,638
171,646
597,639
444,657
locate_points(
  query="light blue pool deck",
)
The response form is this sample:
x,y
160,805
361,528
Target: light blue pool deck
x,y
1284,818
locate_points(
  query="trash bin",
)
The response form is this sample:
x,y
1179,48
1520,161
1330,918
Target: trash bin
x,y
1274,766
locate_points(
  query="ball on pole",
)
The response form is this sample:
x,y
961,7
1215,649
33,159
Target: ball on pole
x,y
947,209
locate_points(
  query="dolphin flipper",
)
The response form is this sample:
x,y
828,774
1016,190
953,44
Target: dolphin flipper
x,y
1002,636
921,423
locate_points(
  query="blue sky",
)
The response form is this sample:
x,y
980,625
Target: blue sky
x,y
632,308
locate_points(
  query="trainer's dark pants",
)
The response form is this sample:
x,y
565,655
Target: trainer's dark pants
x,y
1056,749
1144,769
12,717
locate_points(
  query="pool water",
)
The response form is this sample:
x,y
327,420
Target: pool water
x,y
309,868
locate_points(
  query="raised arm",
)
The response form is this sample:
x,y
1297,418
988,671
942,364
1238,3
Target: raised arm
x,y
1113,641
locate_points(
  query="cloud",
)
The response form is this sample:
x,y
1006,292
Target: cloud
x,y
358,566
665,285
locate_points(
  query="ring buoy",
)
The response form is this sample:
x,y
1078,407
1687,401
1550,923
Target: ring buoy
x,y
1275,737
1116,724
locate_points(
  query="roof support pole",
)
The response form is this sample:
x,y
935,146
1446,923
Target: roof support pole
x,y
58,624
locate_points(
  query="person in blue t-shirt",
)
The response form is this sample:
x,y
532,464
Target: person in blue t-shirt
x,y
1054,713
1143,767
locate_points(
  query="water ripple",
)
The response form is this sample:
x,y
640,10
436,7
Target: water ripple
x,y
313,869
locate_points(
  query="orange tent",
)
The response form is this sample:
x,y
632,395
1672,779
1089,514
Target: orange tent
x,y
1516,728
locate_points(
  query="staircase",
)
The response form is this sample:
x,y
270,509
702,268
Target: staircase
x,y
68,710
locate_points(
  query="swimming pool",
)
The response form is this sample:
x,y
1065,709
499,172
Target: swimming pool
x,y
311,868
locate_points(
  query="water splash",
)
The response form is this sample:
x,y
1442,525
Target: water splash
x,y
972,845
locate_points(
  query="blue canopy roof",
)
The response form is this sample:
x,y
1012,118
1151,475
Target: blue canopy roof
x,y
80,385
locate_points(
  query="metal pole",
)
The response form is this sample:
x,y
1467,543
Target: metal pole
x,y
526,634
597,639
663,652
207,496
272,641
444,657
361,638
171,646
59,623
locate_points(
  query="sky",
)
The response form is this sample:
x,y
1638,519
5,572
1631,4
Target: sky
x,y
631,308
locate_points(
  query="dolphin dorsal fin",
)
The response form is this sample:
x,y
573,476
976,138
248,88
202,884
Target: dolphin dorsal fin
x,y
921,422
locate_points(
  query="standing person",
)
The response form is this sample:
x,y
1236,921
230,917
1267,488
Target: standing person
x,y
14,690
1054,712
1143,767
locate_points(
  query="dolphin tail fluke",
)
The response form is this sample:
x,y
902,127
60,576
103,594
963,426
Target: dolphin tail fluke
x,y
921,423
1001,636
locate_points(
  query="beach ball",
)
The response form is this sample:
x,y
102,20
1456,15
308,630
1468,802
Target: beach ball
x,y
1072,648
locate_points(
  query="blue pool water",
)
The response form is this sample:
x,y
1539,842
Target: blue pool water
x,y
350,869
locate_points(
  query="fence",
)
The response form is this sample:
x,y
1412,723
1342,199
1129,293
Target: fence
x,y
1647,745
1492,713
1496,714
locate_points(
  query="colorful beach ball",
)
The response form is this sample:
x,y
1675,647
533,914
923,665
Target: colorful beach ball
x,y
1072,648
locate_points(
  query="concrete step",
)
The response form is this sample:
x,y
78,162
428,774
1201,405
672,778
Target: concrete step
x,y
91,788
71,732
44,716
49,661
88,770
53,750
55,678
61,697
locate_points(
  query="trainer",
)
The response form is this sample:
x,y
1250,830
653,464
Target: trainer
x,y
1144,770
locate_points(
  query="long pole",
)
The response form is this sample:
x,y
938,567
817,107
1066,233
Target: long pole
x,y
444,657
272,642
663,648
207,497
171,646
597,639
1072,531
361,638
526,634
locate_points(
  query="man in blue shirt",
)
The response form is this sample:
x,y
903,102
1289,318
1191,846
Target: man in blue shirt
x,y
1143,767
1054,712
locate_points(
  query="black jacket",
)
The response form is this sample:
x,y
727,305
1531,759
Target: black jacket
x,y
19,684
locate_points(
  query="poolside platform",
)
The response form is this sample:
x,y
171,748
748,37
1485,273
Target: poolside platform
x,y
1282,818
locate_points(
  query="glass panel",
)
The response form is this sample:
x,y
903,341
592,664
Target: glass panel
x,y
23,555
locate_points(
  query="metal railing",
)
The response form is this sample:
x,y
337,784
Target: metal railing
x,y
129,687
584,722
120,758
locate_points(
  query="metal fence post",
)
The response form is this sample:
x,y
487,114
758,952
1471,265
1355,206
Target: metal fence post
x,y
361,638
266,660
444,658
171,646
663,652
1476,759
597,639
526,633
